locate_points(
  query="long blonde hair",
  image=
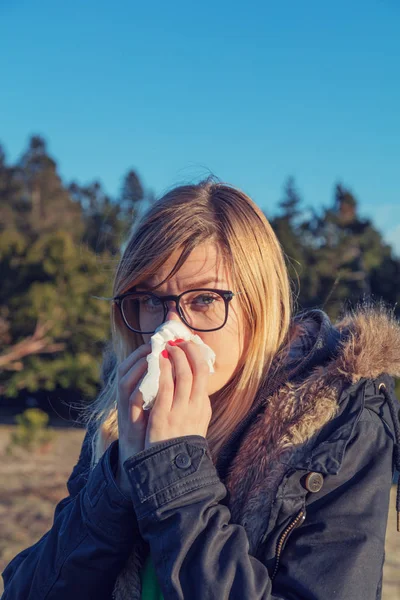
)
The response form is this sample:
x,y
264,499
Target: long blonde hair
x,y
183,218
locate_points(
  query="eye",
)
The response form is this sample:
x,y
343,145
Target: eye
x,y
150,301
204,299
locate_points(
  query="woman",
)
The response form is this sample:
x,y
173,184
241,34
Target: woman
x,y
268,479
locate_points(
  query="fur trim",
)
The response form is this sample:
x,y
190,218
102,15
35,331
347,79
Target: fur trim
x,y
128,584
374,344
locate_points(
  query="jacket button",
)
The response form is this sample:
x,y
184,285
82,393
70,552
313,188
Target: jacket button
x,y
314,482
182,461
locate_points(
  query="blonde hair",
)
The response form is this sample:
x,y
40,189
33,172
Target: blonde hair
x,y
183,218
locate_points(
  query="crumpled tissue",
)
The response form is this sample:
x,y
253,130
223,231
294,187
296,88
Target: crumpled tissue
x,y
170,330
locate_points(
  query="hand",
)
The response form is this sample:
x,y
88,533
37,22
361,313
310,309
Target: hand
x,y
132,419
181,407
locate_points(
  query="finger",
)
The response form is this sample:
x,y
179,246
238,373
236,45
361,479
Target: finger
x,y
199,367
136,397
130,408
127,384
165,395
183,376
130,360
136,410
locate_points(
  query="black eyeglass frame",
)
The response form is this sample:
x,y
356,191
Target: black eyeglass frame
x,y
226,295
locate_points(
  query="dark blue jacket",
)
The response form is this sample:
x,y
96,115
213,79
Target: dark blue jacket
x,y
295,508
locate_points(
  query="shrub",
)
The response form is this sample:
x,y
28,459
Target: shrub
x,y
31,431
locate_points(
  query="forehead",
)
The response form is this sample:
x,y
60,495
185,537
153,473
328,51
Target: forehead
x,y
204,264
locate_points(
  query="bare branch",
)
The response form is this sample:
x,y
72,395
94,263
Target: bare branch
x,y
37,343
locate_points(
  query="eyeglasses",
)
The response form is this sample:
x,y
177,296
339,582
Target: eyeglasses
x,y
200,309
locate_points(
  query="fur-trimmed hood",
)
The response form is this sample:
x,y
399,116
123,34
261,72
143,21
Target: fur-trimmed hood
x,y
289,413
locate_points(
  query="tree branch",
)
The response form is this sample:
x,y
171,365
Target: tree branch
x,y
37,343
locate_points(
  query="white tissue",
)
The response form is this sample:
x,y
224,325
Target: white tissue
x,y
170,330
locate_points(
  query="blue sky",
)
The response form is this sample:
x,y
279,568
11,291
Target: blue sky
x,y
253,92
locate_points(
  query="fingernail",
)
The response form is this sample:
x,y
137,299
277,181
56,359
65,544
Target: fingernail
x,y
165,354
175,342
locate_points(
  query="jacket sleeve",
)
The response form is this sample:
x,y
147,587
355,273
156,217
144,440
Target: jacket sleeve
x,y
92,536
197,553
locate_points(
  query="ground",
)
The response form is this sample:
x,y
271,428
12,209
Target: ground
x,y
32,486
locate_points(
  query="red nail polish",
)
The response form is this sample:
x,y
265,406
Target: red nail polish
x,y
171,343
165,353
179,341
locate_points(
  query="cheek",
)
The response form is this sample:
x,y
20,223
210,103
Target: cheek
x,y
227,357
224,367
228,350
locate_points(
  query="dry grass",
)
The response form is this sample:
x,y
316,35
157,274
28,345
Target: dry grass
x,y
391,569
33,484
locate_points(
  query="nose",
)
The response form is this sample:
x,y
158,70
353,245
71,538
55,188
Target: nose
x,y
172,314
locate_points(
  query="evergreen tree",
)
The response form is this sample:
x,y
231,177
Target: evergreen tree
x,y
287,226
131,193
342,251
44,201
100,215
52,298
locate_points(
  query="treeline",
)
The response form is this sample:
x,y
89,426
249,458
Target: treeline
x,y
59,245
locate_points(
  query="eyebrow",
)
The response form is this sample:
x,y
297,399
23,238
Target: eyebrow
x,y
191,285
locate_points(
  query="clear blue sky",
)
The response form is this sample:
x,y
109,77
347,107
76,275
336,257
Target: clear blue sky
x,y
253,92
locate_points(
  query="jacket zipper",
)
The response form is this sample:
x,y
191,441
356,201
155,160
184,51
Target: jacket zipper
x,y
283,537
